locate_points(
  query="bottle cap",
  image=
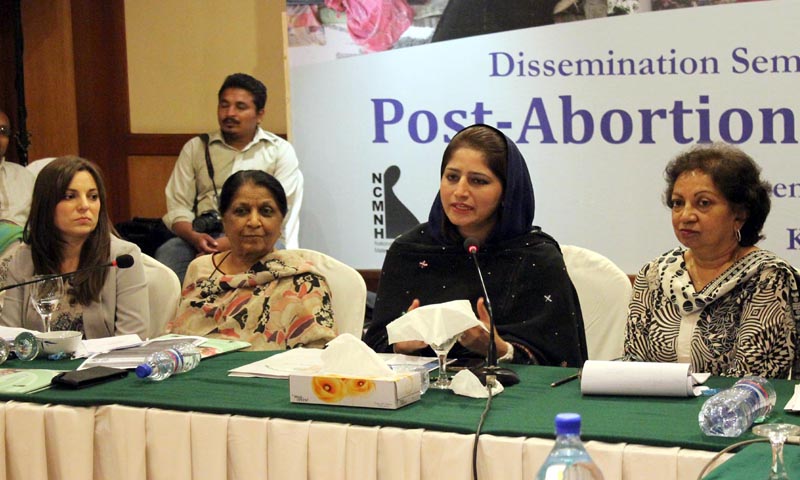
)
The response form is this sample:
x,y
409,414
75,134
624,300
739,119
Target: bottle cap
x,y
568,424
144,370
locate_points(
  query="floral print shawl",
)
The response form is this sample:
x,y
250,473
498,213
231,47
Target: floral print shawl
x,y
282,302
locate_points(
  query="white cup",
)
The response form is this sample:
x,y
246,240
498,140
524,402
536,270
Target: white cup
x,y
60,341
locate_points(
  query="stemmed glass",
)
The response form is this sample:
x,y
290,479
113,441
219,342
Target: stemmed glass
x,y
46,294
442,349
777,433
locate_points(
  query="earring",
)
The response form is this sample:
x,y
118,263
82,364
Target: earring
x,y
738,236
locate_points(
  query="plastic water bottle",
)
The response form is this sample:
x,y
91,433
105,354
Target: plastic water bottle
x,y
25,346
731,412
157,366
569,460
161,365
191,356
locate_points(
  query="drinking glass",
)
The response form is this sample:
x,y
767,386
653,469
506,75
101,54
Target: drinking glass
x,y
442,349
46,294
777,433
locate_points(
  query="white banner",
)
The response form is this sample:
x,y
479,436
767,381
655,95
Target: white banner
x,y
597,107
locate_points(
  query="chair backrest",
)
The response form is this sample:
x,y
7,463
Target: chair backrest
x,y
37,165
348,290
164,290
6,255
604,291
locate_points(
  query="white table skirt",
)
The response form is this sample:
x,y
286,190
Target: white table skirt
x,y
125,443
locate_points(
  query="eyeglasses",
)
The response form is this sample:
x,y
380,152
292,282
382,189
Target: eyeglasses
x,y
5,131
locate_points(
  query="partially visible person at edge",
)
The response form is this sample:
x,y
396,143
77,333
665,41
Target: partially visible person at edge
x,y
718,301
485,194
10,240
239,144
69,230
273,299
16,182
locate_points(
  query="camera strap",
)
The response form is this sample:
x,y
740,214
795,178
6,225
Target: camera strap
x,y
210,167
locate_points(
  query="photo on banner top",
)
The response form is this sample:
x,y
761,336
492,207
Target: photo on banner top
x,y
320,30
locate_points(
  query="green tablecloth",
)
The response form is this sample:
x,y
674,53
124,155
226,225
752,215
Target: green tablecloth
x,y
753,462
526,409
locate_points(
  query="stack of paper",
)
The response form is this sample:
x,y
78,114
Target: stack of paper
x,y
10,333
87,347
133,355
309,361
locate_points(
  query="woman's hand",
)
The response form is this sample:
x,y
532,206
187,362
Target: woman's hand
x,y
410,346
476,339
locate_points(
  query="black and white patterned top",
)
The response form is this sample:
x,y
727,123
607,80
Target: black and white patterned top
x,y
69,315
744,322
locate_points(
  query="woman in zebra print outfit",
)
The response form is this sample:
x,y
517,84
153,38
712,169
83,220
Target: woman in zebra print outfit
x,y
718,302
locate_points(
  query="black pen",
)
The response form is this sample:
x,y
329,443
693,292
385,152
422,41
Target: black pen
x,y
566,379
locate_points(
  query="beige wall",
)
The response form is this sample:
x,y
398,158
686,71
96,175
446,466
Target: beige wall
x,y
179,52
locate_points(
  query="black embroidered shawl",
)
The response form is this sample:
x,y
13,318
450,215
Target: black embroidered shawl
x,y
533,300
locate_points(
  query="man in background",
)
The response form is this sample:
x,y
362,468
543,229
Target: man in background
x,y
239,144
16,182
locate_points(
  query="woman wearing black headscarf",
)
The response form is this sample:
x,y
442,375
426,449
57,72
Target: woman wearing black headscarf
x,y
486,195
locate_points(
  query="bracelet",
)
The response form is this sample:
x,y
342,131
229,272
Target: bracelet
x,y
509,356
525,356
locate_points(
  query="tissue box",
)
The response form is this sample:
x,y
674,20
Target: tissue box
x,y
383,392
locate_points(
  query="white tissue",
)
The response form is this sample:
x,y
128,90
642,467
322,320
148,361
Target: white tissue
x,y
467,384
433,324
348,356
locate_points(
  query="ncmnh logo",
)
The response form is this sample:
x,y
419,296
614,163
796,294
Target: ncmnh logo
x,y
390,217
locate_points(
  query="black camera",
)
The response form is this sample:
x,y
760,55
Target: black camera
x,y
208,222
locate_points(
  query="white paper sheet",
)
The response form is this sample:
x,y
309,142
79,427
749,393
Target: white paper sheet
x,y
107,344
87,347
309,360
605,377
10,333
294,361
129,356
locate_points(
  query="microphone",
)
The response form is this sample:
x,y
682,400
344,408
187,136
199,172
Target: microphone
x,y
471,245
122,261
506,376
